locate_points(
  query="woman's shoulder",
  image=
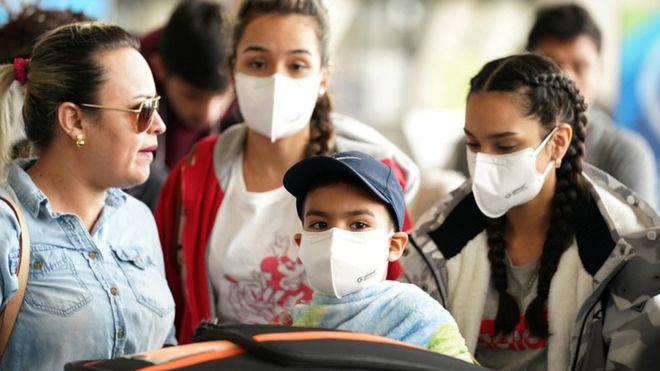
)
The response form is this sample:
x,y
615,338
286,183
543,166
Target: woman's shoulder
x,y
10,228
623,209
455,220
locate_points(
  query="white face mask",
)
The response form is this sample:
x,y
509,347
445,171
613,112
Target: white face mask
x,y
340,262
500,182
277,106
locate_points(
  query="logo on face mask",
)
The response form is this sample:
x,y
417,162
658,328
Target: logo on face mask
x,y
333,258
277,106
500,182
366,276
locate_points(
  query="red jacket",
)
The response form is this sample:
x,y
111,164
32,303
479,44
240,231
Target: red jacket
x,y
185,215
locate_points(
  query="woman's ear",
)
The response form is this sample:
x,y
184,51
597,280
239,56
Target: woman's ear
x,y
398,243
326,74
561,141
70,119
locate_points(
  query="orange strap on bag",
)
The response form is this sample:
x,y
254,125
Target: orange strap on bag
x,y
10,313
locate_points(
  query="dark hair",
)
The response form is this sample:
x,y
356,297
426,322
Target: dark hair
x,y
63,68
321,128
17,37
331,179
195,42
563,22
550,97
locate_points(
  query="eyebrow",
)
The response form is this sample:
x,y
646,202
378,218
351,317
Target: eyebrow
x,y
494,136
315,212
262,50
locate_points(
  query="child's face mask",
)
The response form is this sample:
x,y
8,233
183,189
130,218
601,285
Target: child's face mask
x,y
339,262
277,106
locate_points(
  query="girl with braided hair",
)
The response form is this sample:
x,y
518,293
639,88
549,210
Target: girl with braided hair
x,y
545,262
225,220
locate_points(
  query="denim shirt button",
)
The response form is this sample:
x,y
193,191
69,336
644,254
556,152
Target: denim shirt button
x,y
120,333
38,264
92,254
114,291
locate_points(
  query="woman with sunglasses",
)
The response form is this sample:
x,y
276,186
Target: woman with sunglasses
x,y
225,220
96,286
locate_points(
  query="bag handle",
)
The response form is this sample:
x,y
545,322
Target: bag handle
x,y
10,312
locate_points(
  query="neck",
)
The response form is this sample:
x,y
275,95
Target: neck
x,y
265,162
527,225
67,191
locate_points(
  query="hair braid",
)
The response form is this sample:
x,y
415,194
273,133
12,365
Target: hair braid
x,y
508,311
568,189
322,130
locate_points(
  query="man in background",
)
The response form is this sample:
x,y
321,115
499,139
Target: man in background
x,y
189,59
568,35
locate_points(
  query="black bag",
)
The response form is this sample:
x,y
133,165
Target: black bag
x,y
269,347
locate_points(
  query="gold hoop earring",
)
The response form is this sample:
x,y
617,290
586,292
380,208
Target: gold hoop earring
x,y
80,141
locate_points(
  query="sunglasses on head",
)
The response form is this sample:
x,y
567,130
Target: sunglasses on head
x,y
145,112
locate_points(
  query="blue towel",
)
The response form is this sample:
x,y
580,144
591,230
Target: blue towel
x,y
392,309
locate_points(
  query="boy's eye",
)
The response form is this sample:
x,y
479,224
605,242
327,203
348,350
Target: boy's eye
x,y
359,225
319,225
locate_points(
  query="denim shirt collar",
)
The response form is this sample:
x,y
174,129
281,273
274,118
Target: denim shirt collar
x,y
34,200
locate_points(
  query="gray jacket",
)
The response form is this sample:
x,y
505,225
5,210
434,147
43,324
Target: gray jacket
x,y
604,301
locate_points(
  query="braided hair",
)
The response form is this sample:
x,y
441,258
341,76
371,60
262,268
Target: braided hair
x,y
550,97
321,129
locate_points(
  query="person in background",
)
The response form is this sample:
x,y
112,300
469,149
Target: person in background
x,y
225,220
189,59
96,286
545,262
352,209
568,35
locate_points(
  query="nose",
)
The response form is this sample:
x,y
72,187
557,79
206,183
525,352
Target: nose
x,y
158,126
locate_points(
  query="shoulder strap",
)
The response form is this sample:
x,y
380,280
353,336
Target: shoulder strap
x,y
10,312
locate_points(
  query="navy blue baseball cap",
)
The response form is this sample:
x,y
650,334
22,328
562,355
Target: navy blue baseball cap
x,y
377,176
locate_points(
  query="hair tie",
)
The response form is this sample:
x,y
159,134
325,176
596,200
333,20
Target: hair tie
x,y
20,69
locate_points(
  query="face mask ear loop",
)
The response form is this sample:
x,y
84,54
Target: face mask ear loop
x,y
541,146
545,141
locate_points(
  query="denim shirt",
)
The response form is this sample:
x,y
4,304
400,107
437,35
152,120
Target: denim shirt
x,y
89,296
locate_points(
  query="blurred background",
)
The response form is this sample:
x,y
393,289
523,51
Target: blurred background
x,y
403,66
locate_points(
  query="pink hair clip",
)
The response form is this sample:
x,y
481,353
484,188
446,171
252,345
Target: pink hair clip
x,y
20,69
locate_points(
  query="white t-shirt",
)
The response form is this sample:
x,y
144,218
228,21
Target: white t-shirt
x,y
252,258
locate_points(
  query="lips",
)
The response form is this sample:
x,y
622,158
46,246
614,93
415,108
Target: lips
x,y
151,149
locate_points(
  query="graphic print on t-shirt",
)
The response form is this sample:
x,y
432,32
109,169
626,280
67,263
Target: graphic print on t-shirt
x,y
519,339
276,286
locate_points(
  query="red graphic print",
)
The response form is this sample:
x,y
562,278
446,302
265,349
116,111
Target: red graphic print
x,y
519,339
274,286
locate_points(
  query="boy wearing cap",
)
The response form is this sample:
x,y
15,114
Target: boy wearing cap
x,y
352,208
